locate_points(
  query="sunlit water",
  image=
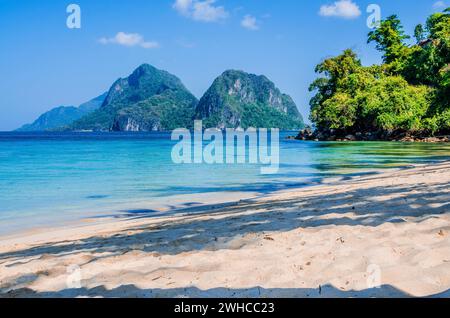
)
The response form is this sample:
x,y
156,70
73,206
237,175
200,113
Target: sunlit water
x,y
50,177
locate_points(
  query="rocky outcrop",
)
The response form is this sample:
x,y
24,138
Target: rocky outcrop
x,y
155,100
128,123
238,99
332,135
147,100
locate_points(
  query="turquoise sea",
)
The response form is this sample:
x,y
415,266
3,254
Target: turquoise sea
x,y
49,178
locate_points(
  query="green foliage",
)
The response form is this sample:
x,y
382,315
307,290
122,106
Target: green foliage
x,y
390,39
428,61
332,107
63,115
444,120
409,92
149,99
259,115
167,111
392,104
419,33
239,99
339,111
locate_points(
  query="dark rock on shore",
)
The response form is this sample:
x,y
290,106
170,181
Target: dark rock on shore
x,y
332,135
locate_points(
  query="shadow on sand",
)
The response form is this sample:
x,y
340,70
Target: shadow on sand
x,y
372,207
131,291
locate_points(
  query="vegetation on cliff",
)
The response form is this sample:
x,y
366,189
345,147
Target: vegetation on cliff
x,y
238,99
63,115
149,99
408,94
155,100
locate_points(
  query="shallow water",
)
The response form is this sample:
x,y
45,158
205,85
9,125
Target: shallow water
x,y
50,177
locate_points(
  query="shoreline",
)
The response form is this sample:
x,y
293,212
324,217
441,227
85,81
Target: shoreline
x,y
317,241
308,135
181,203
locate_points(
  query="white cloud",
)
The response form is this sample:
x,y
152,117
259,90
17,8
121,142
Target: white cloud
x,y
346,9
249,22
439,5
130,39
201,10
183,6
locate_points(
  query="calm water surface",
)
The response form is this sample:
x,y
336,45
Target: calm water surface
x,y
49,177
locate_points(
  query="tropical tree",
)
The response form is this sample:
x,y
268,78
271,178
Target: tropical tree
x,y
409,92
330,108
390,39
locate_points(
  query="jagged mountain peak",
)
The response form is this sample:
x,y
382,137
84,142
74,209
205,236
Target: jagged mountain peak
x,y
144,82
240,99
148,99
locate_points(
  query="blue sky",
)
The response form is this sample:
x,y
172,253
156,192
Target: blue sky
x,y
45,64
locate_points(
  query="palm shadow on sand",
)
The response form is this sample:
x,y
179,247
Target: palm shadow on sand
x,y
131,291
191,233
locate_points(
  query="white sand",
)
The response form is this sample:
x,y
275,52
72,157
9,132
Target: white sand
x,y
386,235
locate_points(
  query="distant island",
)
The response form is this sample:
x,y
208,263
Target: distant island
x,y
155,100
63,115
405,98
238,99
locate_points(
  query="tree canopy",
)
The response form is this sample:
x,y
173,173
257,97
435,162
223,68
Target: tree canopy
x,y
409,92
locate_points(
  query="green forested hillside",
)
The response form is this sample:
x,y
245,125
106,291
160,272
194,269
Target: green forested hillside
x,y
239,99
409,93
63,115
149,99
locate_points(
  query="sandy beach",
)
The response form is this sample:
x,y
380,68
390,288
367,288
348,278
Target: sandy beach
x,y
383,235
